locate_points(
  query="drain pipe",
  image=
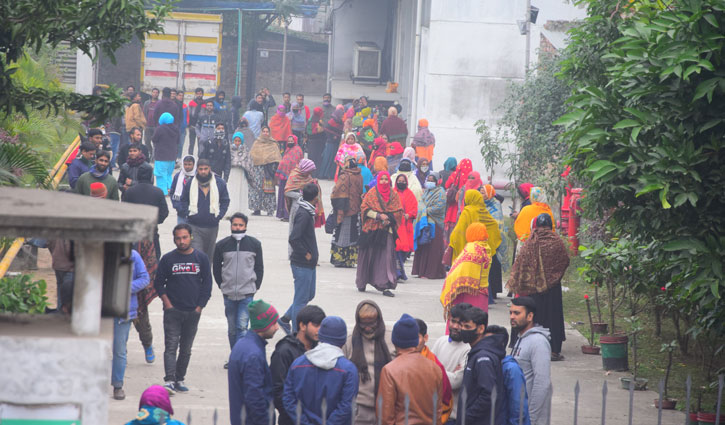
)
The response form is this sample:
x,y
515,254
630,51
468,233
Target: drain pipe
x,y
416,68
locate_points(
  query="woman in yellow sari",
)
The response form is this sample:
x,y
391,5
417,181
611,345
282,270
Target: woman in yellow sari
x,y
467,281
474,212
538,206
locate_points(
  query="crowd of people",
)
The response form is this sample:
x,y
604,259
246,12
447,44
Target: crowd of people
x,y
388,205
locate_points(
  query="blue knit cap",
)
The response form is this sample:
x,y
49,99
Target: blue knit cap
x,y
166,118
405,332
333,330
238,134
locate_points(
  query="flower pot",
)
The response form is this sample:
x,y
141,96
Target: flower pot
x,y
693,418
590,349
667,403
614,352
639,385
600,328
708,418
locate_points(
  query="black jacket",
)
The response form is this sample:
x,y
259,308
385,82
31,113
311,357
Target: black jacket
x,y
303,240
147,194
483,372
166,142
123,153
129,171
287,350
220,157
170,106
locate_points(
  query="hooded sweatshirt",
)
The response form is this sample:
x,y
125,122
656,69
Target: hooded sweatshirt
x,y
483,372
322,372
533,353
287,350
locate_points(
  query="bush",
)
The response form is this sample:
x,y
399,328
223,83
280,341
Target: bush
x,y
20,294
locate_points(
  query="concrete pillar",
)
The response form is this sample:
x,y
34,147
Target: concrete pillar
x,y
87,288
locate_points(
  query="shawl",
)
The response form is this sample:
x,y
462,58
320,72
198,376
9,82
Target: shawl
x,y
433,205
314,124
406,236
347,195
380,149
265,151
373,200
213,196
468,275
458,178
334,125
525,190
409,153
179,188
476,183
298,178
367,176
280,127
423,138
540,264
522,225
347,150
382,354
395,128
249,136
135,162
450,164
474,212
156,396
292,157
254,118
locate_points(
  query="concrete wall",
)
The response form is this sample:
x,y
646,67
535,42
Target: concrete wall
x,y
355,21
306,65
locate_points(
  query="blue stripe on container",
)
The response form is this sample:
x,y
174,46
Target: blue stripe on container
x,y
200,58
162,55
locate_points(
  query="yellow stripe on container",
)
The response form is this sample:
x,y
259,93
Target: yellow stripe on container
x,y
190,16
169,37
197,39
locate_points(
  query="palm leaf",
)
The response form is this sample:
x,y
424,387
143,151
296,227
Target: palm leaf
x,y
18,161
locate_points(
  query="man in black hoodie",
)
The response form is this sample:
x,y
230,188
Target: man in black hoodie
x,y
290,348
218,153
483,370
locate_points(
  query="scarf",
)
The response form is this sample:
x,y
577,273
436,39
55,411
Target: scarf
x,y
381,149
99,175
474,184
409,154
540,264
291,158
423,138
156,396
384,189
374,201
181,179
433,205
347,150
213,196
471,213
265,151
382,354
135,162
280,127
307,206
298,178
346,197
380,164
522,225
468,275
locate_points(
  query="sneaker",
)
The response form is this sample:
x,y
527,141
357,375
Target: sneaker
x,y
150,357
180,387
285,327
226,365
170,387
119,394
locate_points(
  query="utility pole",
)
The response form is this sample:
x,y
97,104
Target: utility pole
x,y
527,22
284,52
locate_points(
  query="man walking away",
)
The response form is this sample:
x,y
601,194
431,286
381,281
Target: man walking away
x,y
289,348
168,104
144,192
166,141
323,374
483,371
205,201
250,380
425,352
533,353
513,383
99,173
82,164
409,374
149,110
303,260
452,353
238,271
183,281
195,107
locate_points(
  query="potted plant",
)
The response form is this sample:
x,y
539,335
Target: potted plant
x,y
640,384
667,403
599,326
591,348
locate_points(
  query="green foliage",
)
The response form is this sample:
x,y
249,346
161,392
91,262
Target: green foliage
x,y
20,294
19,161
645,133
490,144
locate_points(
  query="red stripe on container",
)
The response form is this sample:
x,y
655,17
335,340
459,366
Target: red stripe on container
x,y
200,76
152,73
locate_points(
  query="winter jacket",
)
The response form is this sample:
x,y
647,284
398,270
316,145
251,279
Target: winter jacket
x,y
219,156
203,218
122,155
170,106
176,203
205,124
483,372
321,373
533,353
134,117
250,381
148,194
149,415
78,167
303,240
166,142
413,375
129,171
139,281
514,382
149,110
238,267
287,350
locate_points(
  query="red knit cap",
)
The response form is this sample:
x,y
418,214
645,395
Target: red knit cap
x,y
98,190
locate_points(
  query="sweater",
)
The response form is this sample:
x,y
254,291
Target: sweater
x,y
185,279
303,240
533,353
452,356
238,267
250,381
77,168
286,351
83,185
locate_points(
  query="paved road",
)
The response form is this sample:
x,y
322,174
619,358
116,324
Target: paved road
x,y
337,295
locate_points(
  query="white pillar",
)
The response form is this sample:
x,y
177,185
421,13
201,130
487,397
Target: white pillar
x,y
87,288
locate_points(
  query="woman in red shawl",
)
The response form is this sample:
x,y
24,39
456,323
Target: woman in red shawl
x,y
456,182
381,212
292,156
280,126
380,148
404,244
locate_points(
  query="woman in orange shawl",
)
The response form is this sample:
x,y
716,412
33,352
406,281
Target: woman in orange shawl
x,y
280,126
381,212
404,245
538,206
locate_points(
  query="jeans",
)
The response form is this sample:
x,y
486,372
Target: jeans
x,y
237,318
142,323
120,338
64,288
115,142
179,332
182,136
164,172
305,279
192,140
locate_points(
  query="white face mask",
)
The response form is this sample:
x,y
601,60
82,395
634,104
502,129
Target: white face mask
x,y
430,185
424,168
239,236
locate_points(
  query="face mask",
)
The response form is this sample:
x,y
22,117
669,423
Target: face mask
x,y
401,186
219,134
430,185
468,335
424,168
291,144
238,234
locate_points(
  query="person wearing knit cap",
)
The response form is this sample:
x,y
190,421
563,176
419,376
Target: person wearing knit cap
x,y
323,373
411,375
250,379
424,141
98,190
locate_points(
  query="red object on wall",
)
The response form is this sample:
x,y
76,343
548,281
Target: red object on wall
x,y
574,219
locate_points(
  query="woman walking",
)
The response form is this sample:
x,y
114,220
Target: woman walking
x,y
346,200
292,156
429,245
350,147
265,157
495,276
474,212
538,206
280,127
235,186
404,244
453,185
381,211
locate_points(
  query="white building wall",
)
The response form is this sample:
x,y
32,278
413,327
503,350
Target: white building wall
x,y
85,73
355,21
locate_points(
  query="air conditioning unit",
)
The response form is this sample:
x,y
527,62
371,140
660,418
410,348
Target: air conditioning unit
x,y
366,61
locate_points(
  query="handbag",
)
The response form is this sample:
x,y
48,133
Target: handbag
x,y
331,223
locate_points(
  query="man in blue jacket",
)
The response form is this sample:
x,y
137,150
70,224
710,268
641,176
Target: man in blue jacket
x,y
82,164
250,380
483,371
516,401
323,373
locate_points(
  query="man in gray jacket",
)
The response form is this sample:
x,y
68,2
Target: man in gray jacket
x,y
238,271
533,353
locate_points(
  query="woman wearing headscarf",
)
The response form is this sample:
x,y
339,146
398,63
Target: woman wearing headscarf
x,y
316,137
424,141
404,244
264,158
406,169
395,155
430,244
367,175
453,186
409,154
422,170
381,164
380,148
473,182
382,212
235,184
495,276
538,206
346,200
292,156
280,126
155,408
394,127
299,177
474,212
350,147
467,282
333,129
537,273
449,167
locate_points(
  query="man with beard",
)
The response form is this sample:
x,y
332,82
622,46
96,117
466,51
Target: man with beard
x,y
290,348
82,164
369,348
327,107
135,138
263,99
99,173
144,192
194,110
533,353
204,201
128,175
483,371
452,353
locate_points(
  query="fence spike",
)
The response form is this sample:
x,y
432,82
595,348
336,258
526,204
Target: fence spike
x,y
661,388
244,414
494,396
188,418
435,407
464,398
215,418
380,409
631,400
521,404
720,379
688,388
323,410
604,402
270,412
576,404
354,414
406,405
298,412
